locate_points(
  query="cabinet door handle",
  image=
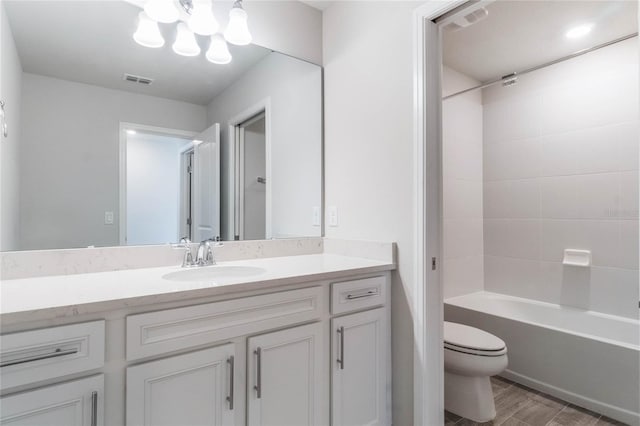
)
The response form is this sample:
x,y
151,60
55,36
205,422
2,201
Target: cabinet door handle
x,y
94,408
58,352
341,347
360,296
258,386
231,361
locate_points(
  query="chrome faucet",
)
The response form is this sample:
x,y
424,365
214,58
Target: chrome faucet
x,y
204,256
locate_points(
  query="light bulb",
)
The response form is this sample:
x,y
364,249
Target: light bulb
x,y
148,33
218,52
185,43
237,31
162,11
202,20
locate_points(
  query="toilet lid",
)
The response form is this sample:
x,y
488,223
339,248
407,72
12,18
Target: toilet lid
x,y
471,340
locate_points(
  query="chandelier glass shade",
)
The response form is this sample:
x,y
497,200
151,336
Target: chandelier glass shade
x,y
194,18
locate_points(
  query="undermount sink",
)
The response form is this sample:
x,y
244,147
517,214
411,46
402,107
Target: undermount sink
x,y
214,272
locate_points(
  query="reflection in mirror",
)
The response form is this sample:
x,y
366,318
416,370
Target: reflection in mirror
x,y
124,144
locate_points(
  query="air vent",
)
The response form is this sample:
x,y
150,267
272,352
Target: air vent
x,y
137,79
467,20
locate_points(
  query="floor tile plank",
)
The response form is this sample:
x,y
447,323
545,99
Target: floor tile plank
x,y
572,415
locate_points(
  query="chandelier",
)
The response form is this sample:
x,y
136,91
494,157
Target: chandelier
x,y
200,20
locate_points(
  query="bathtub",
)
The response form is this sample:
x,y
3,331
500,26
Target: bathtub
x,y
584,357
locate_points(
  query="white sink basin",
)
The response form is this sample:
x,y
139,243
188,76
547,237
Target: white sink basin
x,y
209,273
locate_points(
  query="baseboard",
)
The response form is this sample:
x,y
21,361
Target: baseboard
x,y
617,413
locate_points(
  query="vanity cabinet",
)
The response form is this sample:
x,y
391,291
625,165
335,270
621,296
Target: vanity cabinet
x,y
359,372
285,377
192,389
308,353
76,403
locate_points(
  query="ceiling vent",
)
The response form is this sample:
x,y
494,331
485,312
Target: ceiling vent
x,y
468,19
137,79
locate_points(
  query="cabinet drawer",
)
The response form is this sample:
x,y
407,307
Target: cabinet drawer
x,y
352,295
159,332
76,403
32,356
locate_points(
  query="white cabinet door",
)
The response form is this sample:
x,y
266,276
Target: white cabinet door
x,y
77,403
192,389
285,377
359,369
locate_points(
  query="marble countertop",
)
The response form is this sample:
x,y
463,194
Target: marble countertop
x,y
38,298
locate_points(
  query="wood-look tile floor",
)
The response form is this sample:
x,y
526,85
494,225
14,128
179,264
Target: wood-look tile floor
x,y
517,405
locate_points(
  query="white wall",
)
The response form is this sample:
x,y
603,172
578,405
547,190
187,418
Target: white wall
x,y
69,160
153,189
293,89
369,151
289,27
10,92
462,240
561,171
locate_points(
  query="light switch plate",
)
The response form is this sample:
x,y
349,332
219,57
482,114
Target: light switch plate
x,y
316,216
108,218
332,213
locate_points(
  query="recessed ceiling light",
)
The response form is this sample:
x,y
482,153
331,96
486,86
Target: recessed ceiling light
x,y
579,31
131,132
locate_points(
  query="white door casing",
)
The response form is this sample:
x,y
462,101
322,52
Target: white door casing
x,y
428,364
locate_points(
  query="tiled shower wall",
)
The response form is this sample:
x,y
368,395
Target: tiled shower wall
x,y
462,179
560,166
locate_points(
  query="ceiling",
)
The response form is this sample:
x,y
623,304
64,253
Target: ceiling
x,y
520,34
91,42
321,5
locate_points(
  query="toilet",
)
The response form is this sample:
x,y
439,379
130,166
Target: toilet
x,y
471,357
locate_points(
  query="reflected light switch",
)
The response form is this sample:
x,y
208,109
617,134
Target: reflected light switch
x,y
108,218
315,221
332,213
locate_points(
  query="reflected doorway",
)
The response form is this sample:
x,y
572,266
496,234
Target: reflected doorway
x,y
158,187
251,179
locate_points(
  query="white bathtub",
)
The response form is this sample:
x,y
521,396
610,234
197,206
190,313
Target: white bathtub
x,y
584,357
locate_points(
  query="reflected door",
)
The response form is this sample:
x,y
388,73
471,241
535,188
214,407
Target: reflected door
x,y
206,185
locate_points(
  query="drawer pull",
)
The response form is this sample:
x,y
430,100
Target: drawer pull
x,y
258,386
341,349
231,363
94,408
58,352
360,296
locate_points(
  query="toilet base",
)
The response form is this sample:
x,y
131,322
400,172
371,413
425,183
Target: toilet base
x,y
469,397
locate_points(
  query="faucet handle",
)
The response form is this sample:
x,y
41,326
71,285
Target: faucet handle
x,y
185,243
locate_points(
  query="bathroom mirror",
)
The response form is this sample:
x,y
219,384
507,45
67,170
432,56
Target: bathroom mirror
x,y
122,144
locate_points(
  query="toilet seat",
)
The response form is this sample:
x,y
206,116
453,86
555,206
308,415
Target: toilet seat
x,y
472,341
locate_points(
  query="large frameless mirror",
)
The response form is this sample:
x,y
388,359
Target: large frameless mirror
x,y
124,144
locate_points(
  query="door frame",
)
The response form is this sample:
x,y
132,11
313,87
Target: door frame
x,y
233,123
428,364
122,166
185,218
